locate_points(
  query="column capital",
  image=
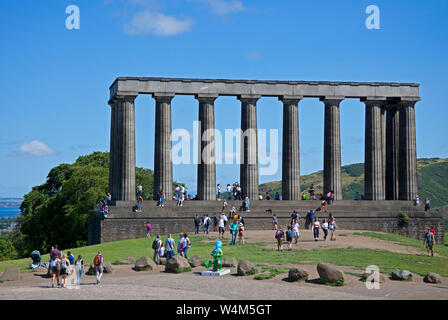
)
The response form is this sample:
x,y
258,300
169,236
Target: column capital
x,y
332,99
375,101
407,101
290,99
121,98
250,98
163,96
206,97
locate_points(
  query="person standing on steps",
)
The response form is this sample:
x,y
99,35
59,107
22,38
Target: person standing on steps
x,y
274,222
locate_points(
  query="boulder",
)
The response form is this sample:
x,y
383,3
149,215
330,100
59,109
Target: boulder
x,y
329,274
195,261
229,263
107,267
177,264
145,263
162,260
297,274
366,275
401,275
432,277
11,275
128,260
244,267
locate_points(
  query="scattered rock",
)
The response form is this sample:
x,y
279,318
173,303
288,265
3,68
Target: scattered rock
x,y
432,277
162,260
177,264
107,267
366,275
329,274
11,275
297,274
145,263
195,261
401,275
229,263
244,267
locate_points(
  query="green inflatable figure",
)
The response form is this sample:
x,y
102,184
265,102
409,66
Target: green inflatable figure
x,y
215,262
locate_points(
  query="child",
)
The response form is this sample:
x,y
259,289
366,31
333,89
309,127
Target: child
x,y
240,233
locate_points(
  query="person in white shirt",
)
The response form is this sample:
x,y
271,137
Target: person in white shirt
x,y
325,228
222,225
316,227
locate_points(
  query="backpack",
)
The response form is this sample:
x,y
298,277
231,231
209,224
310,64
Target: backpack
x,y
289,235
279,234
155,244
97,260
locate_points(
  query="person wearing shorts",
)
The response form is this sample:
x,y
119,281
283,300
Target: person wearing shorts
x,y
98,264
430,240
289,236
295,231
279,235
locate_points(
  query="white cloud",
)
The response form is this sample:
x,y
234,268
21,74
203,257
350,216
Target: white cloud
x,y
34,148
148,22
222,7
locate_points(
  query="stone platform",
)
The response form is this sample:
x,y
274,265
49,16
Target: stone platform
x,y
123,223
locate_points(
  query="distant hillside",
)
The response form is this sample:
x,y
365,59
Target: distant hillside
x,y
432,179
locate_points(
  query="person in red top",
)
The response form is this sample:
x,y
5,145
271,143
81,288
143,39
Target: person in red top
x,y
432,230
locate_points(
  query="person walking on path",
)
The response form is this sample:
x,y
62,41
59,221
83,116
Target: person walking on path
x,y
170,246
332,227
234,230
222,226
279,235
429,241
325,228
316,227
70,258
310,219
289,236
197,223
98,264
215,222
65,270
274,222
148,228
240,233
295,231
156,244
206,224
79,269
55,265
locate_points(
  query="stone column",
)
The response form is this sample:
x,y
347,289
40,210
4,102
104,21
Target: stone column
x,y
408,151
249,147
373,151
332,147
122,149
206,185
392,152
290,149
163,165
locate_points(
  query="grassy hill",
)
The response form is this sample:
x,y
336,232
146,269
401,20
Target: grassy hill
x,y
432,179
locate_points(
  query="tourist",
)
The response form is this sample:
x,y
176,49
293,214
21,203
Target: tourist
x,y
325,228
427,204
229,192
247,204
183,190
295,231
186,245
139,204
55,265
179,244
295,217
156,244
65,270
330,197
240,232
303,196
79,269
260,197
177,191
241,220
197,223
268,196
206,224
221,226
289,236
108,199
234,230
430,240
181,200
161,253
279,235
310,219
148,228
139,189
416,200
218,190
98,265
70,258
311,192
274,222
332,227
170,246
323,205
215,222
161,198
316,227
224,205
105,210
277,196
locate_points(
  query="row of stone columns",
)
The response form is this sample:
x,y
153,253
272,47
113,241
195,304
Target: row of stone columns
x,y
390,148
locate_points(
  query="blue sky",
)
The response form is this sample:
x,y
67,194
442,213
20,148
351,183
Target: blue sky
x,y
54,81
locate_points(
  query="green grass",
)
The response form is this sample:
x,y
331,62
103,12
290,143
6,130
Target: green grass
x,y
257,253
339,283
441,249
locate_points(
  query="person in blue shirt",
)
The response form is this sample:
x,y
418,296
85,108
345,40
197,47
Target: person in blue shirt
x,y
71,258
170,247
197,223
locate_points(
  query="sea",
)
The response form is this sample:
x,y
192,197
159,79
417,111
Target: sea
x,y
9,212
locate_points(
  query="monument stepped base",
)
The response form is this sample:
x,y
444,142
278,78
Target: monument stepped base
x,y
123,223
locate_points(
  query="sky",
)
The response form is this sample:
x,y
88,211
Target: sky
x,y
55,74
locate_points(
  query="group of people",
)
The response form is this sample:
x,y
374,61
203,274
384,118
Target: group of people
x,y
169,248
65,269
292,233
426,203
234,221
103,204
